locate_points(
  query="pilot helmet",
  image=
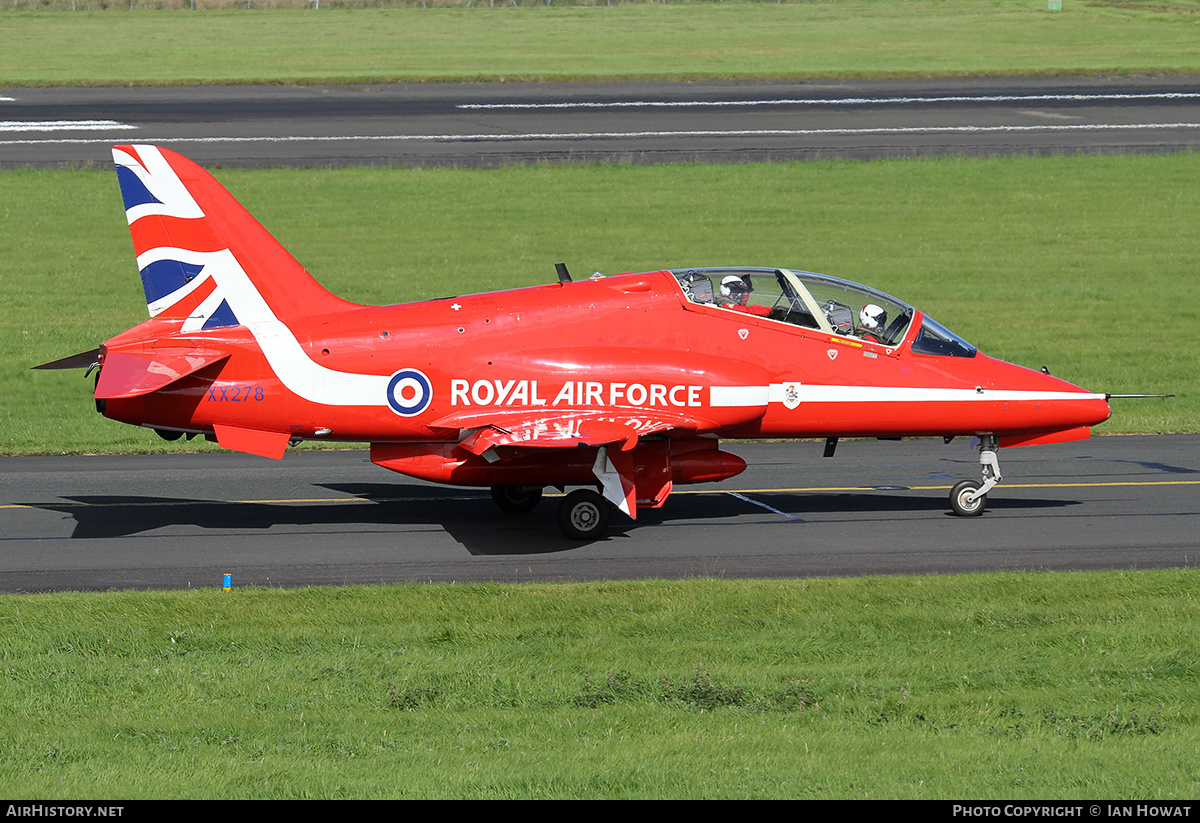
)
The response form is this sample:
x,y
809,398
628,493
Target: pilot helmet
x,y
872,317
736,289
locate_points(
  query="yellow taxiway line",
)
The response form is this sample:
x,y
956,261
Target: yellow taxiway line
x,y
734,492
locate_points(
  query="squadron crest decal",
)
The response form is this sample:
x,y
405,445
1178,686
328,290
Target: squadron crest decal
x,y
791,395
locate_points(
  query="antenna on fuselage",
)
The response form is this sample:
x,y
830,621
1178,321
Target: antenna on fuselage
x,y
563,275
1133,396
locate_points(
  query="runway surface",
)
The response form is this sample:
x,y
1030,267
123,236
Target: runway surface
x,y
492,124
174,521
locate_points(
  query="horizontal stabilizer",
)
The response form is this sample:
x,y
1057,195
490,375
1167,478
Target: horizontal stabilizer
x,y
130,374
75,361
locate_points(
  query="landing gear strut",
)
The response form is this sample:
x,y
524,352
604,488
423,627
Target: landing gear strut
x,y
969,498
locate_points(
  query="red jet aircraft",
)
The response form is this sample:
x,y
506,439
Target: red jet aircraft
x,y
613,389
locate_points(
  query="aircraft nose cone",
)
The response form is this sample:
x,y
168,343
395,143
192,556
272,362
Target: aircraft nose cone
x,y
1036,401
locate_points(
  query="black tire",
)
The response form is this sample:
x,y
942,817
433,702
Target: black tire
x,y
516,498
584,515
961,505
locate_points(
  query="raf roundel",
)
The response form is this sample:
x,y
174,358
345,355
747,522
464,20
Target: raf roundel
x,y
409,392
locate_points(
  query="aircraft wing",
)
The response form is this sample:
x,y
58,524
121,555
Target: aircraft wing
x,y
568,428
614,432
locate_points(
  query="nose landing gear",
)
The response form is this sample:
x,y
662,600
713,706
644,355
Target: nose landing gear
x,y
969,498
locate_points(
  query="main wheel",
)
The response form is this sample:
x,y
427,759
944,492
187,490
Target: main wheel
x,y
583,515
516,498
960,499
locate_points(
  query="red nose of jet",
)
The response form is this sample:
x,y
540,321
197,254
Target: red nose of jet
x,y
1036,403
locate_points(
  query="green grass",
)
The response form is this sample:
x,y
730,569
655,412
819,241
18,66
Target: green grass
x,y
1086,265
854,38
1040,686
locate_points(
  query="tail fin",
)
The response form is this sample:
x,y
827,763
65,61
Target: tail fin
x,y
202,256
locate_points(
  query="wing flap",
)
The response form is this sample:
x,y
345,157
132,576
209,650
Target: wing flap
x,y
553,435
559,429
613,433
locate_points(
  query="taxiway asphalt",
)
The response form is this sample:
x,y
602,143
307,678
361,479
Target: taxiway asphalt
x,y
331,517
504,123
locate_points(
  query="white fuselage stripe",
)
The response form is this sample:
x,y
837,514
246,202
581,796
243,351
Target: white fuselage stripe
x,y
284,353
902,394
738,396
750,396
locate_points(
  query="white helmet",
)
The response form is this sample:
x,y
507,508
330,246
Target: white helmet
x,y
872,317
736,289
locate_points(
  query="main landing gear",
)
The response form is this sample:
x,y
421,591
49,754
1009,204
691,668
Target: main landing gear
x,y
516,498
969,498
582,515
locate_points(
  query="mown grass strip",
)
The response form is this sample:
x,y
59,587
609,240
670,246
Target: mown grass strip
x,y
855,38
1049,686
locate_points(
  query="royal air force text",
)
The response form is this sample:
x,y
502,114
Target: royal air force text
x,y
572,393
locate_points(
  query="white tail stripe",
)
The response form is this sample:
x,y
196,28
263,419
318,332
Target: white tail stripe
x,y
196,320
286,356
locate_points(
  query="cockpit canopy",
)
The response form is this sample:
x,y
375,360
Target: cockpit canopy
x,y
817,301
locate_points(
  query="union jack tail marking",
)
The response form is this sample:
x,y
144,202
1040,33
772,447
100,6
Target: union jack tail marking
x,y
203,258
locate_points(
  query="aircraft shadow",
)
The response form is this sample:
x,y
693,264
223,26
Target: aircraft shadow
x,y
472,520
893,502
469,518
492,533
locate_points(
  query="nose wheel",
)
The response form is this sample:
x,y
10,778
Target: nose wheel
x,y
965,499
969,498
